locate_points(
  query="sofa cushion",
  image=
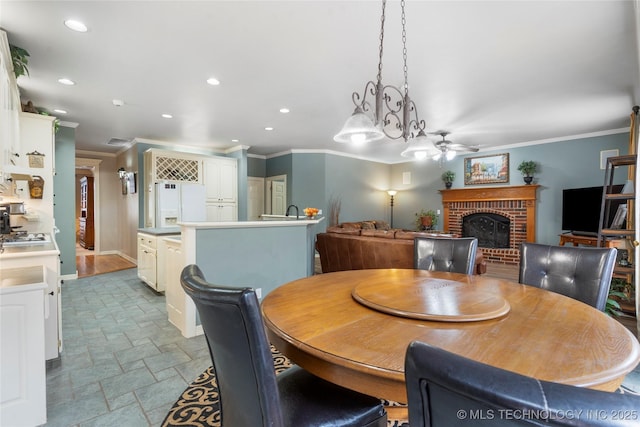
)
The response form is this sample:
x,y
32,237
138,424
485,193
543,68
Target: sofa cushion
x,y
368,225
352,225
382,225
342,230
386,234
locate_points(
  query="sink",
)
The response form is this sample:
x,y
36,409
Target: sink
x,y
269,217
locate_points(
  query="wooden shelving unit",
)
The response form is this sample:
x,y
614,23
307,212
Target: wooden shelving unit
x,y
86,212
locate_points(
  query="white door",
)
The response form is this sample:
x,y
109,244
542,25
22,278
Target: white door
x,y
278,197
255,194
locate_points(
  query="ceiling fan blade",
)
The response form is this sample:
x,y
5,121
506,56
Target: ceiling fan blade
x,y
462,148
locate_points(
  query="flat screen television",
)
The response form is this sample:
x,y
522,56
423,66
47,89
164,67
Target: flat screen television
x,y
581,209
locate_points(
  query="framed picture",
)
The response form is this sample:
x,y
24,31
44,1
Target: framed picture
x,y
492,169
605,154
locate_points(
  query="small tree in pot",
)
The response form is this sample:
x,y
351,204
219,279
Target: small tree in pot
x,y
528,168
448,177
426,220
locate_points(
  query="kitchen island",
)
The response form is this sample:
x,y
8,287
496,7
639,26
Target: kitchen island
x,y
258,254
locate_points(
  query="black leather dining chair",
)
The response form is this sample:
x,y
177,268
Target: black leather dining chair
x,y
445,254
251,394
582,273
448,390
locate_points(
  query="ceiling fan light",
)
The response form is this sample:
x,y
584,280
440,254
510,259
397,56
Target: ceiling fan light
x,y
437,156
450,155
420,155
359,128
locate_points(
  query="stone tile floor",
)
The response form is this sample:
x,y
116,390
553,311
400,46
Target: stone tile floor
x,y
123,363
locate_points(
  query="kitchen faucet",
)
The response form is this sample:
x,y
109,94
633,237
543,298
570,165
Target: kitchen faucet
x,y
292,206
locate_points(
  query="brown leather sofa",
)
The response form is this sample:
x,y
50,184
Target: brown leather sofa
x,y
360,245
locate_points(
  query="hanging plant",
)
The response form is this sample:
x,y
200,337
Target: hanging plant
x,y
20,59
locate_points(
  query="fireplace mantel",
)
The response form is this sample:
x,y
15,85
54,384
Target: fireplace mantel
x,y
517,202
516,192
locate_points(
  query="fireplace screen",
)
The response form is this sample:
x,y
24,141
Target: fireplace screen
x,y
491,230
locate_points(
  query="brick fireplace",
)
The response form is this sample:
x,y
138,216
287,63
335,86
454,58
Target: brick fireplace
x,y
517,204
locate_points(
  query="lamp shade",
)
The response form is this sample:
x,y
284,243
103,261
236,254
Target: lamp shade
x,y
419,148
359,128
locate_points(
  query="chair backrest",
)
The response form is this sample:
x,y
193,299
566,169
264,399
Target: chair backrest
x,y
239,348
582,273
448,390
457,255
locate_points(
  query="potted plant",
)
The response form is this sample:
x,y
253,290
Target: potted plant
x,y
528,168
621,293
448,177
20,59
426,220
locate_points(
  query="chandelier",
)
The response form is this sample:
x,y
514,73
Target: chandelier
x,y
394,113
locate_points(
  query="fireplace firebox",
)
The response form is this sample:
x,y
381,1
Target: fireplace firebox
x,y
491,230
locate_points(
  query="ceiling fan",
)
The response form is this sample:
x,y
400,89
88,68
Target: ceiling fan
x,y
448,149
443,150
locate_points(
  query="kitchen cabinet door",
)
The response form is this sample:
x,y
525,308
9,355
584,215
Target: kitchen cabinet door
x,y
221,212
147,259
221,179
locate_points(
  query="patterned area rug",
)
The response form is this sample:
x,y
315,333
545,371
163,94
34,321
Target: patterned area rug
x,y
199,406
199,403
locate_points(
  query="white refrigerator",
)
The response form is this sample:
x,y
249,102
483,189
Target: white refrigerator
x,y
179,202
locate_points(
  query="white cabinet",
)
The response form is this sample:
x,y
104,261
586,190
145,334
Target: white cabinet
x,y
175,296
23,397
39,257
147,259
221,211
151,260
221,182
221,179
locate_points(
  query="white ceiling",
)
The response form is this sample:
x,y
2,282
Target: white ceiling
x,y
493,73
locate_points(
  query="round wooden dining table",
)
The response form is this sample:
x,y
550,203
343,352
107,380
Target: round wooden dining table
x,y
352,328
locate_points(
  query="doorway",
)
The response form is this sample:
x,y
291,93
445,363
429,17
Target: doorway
x,y
276,195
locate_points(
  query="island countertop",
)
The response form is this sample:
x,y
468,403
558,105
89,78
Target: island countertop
x,y
253,224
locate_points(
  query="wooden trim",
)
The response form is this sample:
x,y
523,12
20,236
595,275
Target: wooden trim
x,y
517,192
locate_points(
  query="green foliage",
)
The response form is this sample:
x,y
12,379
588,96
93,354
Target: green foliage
x,y
20,59
430,213
528,167
448,176
619,290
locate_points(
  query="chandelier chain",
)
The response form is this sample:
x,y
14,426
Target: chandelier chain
x,y
404,49
380,50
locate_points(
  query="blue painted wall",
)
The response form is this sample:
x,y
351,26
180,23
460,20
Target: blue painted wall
x,y
256,167
361,185
566,164
65,198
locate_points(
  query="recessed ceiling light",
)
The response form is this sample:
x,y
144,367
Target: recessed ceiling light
x,y
118,102
66,81
60,111
167,116
74,25
284,110
213,81
235,140
268,128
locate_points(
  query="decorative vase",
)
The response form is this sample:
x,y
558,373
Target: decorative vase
x,y
448,184
528,180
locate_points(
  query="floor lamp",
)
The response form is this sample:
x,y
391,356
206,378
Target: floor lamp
x,y
392,193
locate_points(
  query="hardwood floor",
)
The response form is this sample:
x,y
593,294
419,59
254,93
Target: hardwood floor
x,y
90,265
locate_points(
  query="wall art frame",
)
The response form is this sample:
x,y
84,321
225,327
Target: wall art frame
x,y
490,169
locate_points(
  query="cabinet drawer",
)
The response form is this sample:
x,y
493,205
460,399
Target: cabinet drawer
x,y
147,240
